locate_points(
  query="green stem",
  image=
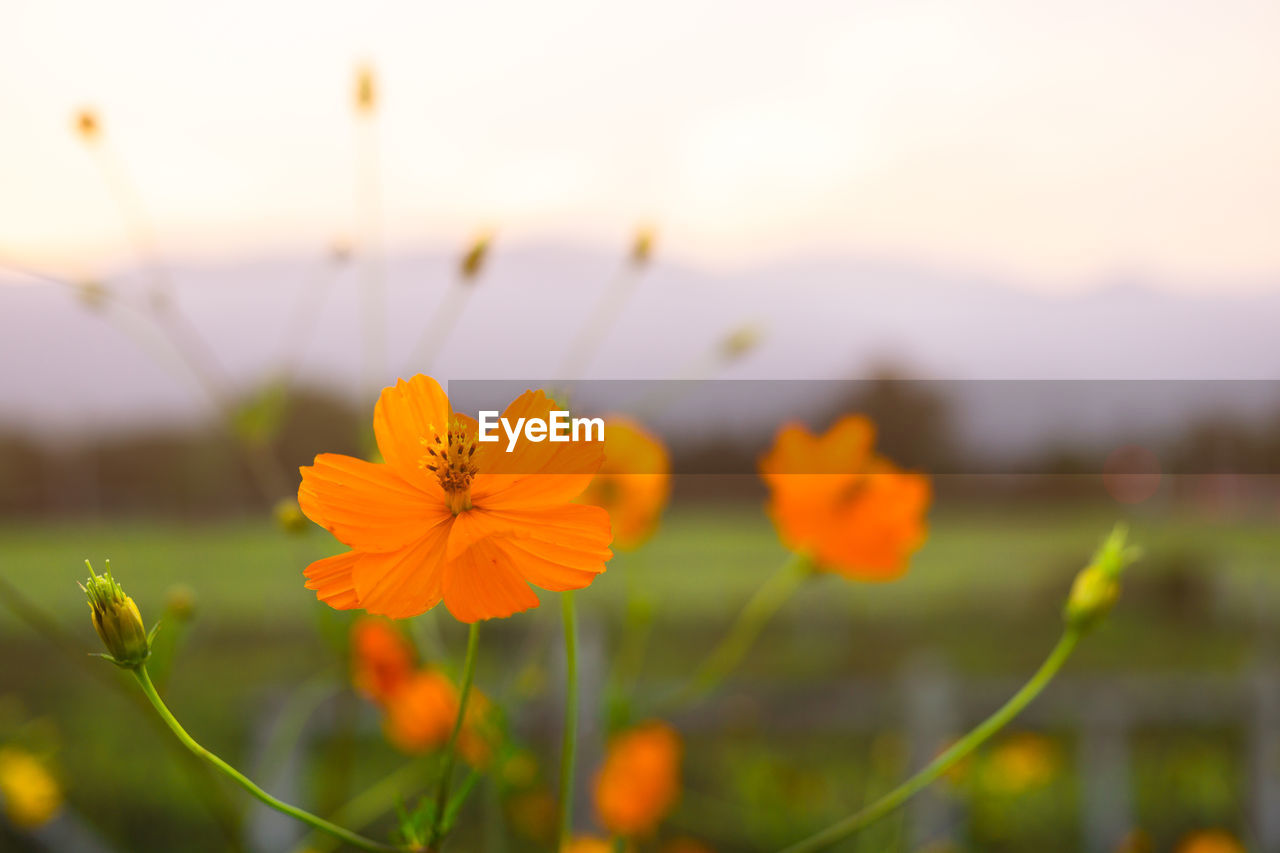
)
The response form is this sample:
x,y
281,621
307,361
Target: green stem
x,y
754,615
244,782
451,747
223,812
957,752
569,744
365,807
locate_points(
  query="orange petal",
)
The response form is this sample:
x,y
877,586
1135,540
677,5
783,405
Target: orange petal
x,y
570,533
534,473
568,529
407,413
481,584
365,505
543,571
331,578
406,582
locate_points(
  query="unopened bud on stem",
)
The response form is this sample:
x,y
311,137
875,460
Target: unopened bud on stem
x,y
473,259
1097,587
117,620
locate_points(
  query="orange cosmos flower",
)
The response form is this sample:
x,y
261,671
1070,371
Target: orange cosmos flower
x,y
420,714
633,483
851,510
381,658
640,779
446,518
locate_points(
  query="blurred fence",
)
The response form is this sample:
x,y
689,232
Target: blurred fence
x,y
934,706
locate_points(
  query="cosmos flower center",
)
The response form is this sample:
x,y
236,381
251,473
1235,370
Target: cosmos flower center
x,y
451,457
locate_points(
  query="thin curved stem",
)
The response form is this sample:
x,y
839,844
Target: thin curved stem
x,y
365,807
958,751
603,317
451,747
755,614
215,797
569,744
354,839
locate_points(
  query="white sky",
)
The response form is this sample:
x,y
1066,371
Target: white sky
x,y
1055,141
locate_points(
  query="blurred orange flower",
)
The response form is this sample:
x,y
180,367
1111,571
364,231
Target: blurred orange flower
x,y
447,518
87,125
1210,841
420,714
1020,762
366,89
28,792
633,483
640,779
382,659
852,511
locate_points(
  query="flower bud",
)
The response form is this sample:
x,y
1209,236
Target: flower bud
x,y
473,261
642,247
117,620
740,342
289,517
1097,588
366,90
92,295
180,603
87,126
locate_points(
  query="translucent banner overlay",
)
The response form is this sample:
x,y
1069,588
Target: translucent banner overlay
x,y
943,427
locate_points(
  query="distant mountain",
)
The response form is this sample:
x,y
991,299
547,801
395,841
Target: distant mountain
x,y
69,371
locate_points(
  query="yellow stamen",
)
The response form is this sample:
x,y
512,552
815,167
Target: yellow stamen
x,y
451,457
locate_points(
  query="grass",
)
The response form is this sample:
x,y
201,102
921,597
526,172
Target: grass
x,y
246,574
984,594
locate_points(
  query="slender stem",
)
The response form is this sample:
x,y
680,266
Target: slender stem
x,y
754,615
569,744
451,748
243,781
603,317
365,807
439,328
215,798
957,752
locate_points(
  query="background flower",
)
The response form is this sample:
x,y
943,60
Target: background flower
x,y
634,482
30,794
852,511
640,779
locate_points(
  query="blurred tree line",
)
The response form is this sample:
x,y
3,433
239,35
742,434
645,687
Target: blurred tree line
x,y
213,469
181,470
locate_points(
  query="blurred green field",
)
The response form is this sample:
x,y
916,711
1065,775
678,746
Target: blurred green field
x,y
983,596
246,573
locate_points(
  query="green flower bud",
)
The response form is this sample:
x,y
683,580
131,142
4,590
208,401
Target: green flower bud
x,y
740,342
289,517
642,246
1097,588
180,603
473,260
117,620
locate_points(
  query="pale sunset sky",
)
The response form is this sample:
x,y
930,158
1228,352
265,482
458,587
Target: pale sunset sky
x,y
1055,142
